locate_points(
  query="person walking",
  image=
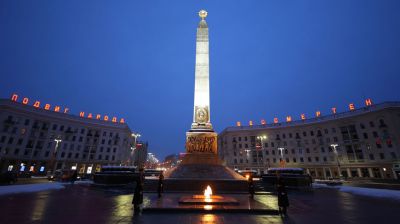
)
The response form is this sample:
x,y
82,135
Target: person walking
x,y
138,193
283,200
160,188
251,187
74,176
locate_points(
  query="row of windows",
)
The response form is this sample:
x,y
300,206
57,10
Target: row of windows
x,y
319,132
45,126
310,159
39,144
62,155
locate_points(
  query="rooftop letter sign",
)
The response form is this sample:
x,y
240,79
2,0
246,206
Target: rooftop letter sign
x,y
57,108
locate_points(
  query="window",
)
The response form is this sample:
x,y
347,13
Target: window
x,y
16,151
245,138
82,131
266,152
107,157
365,135
10,140
294,160
54,127
312,133
362,126
371,157
76,155
47,154
26,122
272,144
371,124
62,154
335,139
266,145
382,155
333,130
307,150
322,149
375,134
240,139
69,155
325,159
290,135
20,141
283,136
309,159
326,131
393,155
316,159
114,150
108,149
287,160
293,151
274,160
304,133
3,139
301,159
62,128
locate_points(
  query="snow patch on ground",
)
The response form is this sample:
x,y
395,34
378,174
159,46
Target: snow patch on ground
x,y
26,188
372,192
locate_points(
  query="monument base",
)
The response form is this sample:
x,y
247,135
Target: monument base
x,y
197,170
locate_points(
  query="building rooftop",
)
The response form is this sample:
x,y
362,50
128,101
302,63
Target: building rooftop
x,y
321,119
8,104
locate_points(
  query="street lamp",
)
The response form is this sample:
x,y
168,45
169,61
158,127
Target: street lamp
x,y
334,146
281,150
133,148
53,157
261,138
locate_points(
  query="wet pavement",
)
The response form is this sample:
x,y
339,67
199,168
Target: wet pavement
x,y
84,204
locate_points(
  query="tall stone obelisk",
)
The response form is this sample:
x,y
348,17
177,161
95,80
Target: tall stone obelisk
x,y
201,138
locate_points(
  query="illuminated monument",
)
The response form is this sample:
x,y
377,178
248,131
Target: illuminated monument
x,y
201,138
201,164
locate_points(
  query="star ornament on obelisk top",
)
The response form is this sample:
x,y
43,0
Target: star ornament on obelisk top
x,y
201,110
203,14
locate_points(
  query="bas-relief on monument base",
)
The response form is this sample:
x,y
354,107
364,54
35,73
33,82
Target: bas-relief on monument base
x,y
201,161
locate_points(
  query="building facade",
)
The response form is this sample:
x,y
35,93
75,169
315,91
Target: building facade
x,y
362,143
36,140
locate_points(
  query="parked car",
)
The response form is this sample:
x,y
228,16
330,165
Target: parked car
x,y
8,177
60,175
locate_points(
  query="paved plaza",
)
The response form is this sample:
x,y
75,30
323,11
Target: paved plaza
x,y
85,204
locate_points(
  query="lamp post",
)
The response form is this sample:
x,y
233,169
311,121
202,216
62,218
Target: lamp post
x,y
133,148
53,156
334,146
261,138
281,150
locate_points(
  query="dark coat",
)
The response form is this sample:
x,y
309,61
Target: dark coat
x,y
138,193
283,200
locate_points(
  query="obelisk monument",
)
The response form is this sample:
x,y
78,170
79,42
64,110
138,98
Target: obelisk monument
x,y
201,166
201,138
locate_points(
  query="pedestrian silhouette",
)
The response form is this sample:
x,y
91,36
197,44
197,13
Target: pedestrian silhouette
x,y
251,186
160,188
138,193
283,200
74,176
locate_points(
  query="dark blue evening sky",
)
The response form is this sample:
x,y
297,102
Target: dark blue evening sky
x,y
135,59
